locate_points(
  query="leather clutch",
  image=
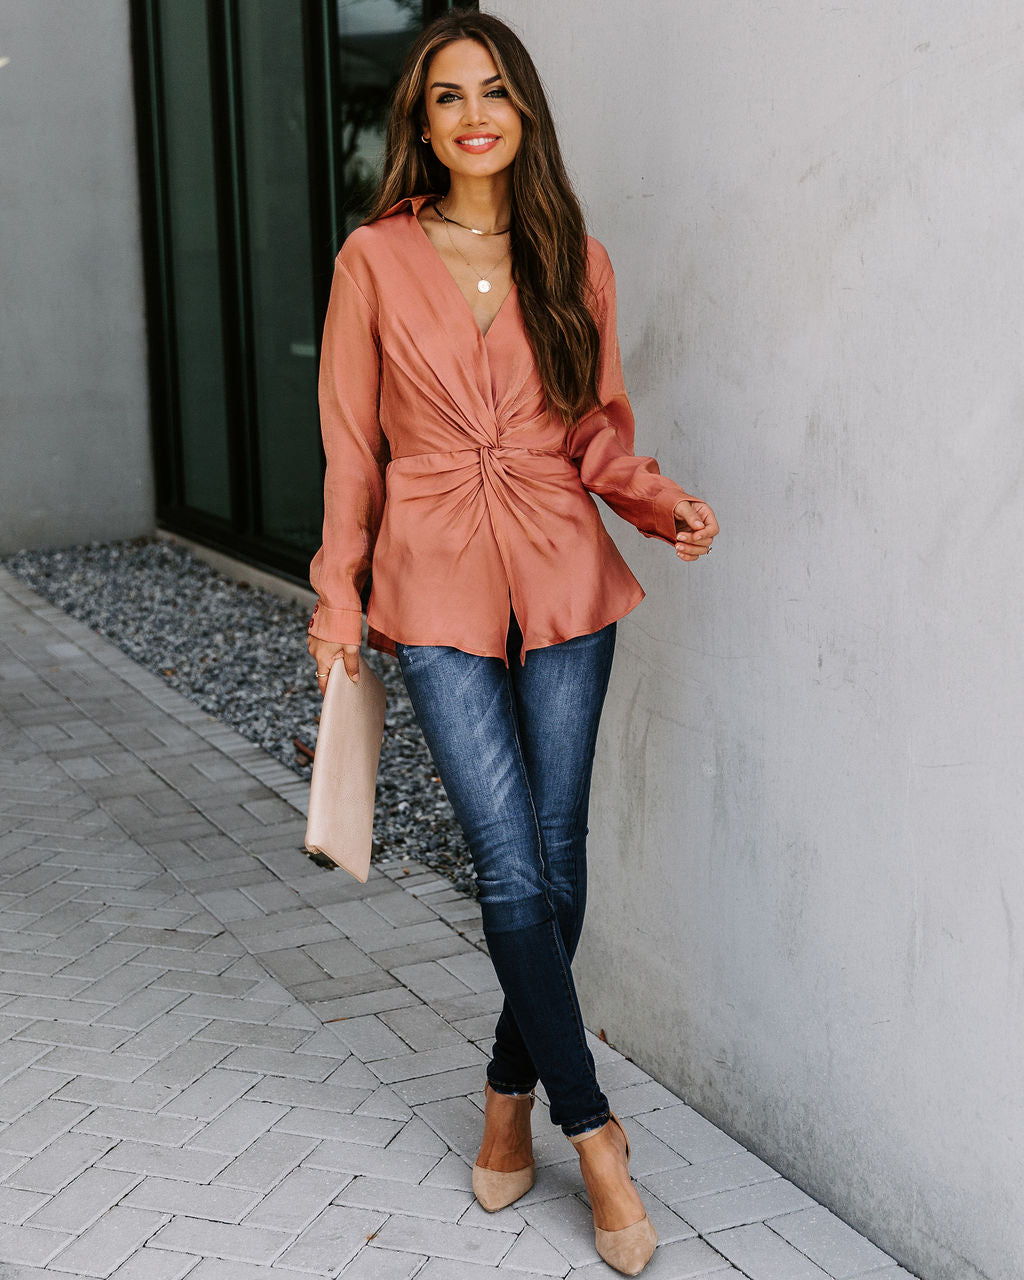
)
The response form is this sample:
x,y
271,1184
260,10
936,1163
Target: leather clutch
x,y
344,781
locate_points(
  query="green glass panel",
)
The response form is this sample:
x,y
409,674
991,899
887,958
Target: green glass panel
x,y
277,195
374,37
193,255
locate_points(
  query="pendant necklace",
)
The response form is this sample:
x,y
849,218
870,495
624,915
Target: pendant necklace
x,y
483,284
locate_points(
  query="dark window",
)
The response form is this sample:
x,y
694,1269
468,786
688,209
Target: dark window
x,y
260,130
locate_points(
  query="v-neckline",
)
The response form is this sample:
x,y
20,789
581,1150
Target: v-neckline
x,y
429,244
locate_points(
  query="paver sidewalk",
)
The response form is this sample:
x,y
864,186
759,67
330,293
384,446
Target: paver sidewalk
x,y
219,1061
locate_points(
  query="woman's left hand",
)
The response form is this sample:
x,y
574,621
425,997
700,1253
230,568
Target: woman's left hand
x,y
696,527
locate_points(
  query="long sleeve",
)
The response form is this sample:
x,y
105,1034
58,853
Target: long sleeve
x,y
601,442
357,453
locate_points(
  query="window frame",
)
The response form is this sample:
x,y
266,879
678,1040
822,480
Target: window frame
x,y
240,535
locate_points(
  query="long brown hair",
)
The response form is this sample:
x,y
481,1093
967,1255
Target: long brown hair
x,y
549,237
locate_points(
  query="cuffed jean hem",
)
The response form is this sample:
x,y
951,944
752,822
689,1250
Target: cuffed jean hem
x,y
513,1090
581,1126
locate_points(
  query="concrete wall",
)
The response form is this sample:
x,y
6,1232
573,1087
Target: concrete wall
x,y
74,411
807,909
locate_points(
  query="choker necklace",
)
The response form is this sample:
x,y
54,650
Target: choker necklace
x,y
482,283
475,230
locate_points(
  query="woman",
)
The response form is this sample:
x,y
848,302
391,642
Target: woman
x,y
472,401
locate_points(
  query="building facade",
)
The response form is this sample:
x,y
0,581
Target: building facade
x,y
195,166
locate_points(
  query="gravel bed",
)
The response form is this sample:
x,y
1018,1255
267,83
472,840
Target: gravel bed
x,y
240,654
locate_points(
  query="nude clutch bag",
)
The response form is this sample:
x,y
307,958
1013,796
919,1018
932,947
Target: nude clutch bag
x,y
344,781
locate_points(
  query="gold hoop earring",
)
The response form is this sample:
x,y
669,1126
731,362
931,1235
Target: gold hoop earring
x,y
424,138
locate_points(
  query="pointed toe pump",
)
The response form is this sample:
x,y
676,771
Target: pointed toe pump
x,y
496,1188
628,1249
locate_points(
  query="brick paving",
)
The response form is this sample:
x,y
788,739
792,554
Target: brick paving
x,y
219,1061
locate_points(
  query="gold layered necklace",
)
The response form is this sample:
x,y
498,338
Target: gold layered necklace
x,y
483,284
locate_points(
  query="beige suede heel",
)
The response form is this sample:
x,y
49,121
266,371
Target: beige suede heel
x,y
629,1249
495,1189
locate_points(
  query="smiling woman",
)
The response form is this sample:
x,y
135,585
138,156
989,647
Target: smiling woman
x,y
475,131
472,402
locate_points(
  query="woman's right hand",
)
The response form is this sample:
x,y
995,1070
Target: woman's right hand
x,y
326,653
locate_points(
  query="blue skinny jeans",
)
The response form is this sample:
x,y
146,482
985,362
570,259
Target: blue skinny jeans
x,y
514,748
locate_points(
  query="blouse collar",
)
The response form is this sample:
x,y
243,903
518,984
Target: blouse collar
x,y
415,203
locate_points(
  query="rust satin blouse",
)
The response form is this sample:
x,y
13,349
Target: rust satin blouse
x,y
446,472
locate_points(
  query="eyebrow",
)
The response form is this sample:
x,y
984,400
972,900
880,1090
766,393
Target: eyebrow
x,y
446,84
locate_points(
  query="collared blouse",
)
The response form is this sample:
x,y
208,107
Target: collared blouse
x,y
447,473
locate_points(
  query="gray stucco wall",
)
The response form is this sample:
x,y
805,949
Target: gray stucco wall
x,y
74,423
807,883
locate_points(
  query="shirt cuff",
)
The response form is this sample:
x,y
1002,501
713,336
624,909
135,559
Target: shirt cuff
x,y
339,626
663,522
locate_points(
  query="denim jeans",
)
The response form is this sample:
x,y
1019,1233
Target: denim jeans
x,y
514,748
